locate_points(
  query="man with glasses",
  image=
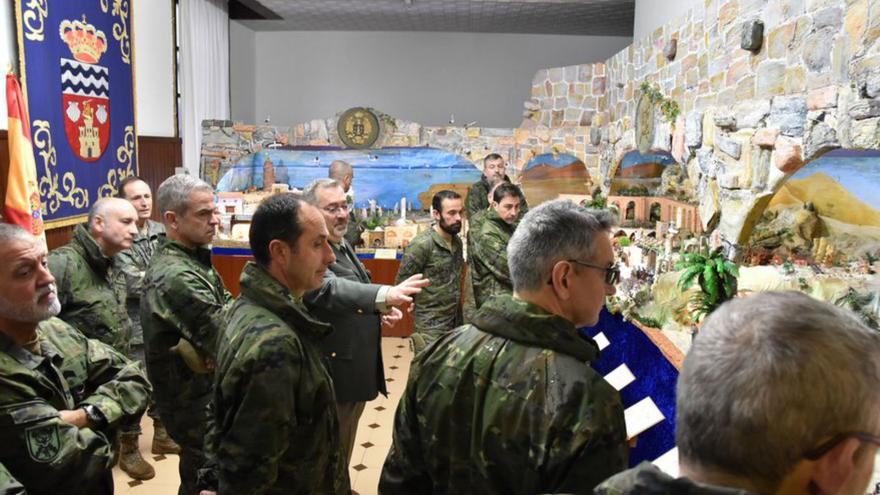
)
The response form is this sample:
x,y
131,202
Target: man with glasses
x,y
357,309
509,403
779,394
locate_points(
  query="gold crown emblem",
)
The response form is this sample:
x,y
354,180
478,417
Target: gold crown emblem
x,y
86,43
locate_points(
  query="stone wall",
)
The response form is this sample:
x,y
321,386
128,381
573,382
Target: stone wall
x,y
749,118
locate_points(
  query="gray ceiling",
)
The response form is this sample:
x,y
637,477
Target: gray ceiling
x,y
576,17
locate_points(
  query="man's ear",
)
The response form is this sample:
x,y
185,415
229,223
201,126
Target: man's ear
x,y
560,275
278,250
170,218
833,470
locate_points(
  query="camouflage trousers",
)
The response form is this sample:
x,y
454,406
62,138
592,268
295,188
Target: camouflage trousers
x,y
136,353
186,423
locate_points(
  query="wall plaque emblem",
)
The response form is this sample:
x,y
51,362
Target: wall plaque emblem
x,y
358,128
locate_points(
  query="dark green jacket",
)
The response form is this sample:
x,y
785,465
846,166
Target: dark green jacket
x,y
646,479
438,306
276,429
91,289
506,405
134,263
488,261
183,297
478,197
8,484
43,453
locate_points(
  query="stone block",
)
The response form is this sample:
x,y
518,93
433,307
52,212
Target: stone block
x,y
731,147
817,49
693,130
680,151
779,39
752,36
788,113
585,72
829,17
670,49
595,136
709,205
532,105
771,79
725,120
709,127
765,138
788,156
570,73
736,71
587,118
870,86
819,138
598,85
556,74
864,109
745,88
865,133
751,114
826,97
709,166
855,21
760,168
795,80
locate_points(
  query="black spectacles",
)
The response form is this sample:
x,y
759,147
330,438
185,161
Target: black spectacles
x,y
824,448
612,273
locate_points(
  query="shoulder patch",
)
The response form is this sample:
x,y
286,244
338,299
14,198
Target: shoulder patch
x,y
44,442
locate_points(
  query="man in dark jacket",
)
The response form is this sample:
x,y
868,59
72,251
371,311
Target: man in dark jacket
x,y
493,174
778,394
488,260
509,403
357,308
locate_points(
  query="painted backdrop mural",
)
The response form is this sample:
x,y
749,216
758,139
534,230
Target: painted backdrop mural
x,y
547,175
77,77
385,175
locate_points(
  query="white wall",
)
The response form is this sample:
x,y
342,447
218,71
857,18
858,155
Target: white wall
x,y
422,77
651,14
154,52
242,73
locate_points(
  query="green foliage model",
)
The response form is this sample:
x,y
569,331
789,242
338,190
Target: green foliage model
x,y
716,276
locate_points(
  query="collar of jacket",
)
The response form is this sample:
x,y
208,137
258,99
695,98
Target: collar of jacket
x,y
440,241
262,289
493,216
201,254
26,358
90,250
151,231
529,324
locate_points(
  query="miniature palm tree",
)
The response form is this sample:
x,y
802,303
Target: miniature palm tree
x,y
716,276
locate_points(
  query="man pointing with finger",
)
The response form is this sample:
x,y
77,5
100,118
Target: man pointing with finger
x,y
357,308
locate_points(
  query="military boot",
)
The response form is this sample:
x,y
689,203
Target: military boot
x,y
130,459
162,442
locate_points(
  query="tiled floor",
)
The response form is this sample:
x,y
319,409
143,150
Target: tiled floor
x,y
371,446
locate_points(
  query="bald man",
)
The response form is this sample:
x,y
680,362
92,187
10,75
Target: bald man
x,y
91,289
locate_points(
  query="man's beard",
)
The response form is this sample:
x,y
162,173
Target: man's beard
x,y
34,312
450,228
340,228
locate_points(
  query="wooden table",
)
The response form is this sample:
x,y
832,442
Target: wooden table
x,y
230,261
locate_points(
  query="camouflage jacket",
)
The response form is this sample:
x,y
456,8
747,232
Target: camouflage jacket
x,y
488,261
275,428
508,404
8,484
134,262
91,289
438,306
183,297
478,197
646,479
42,452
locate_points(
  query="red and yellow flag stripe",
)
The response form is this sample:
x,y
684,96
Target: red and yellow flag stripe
x,y
22,205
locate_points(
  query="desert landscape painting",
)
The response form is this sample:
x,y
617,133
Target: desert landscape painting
x,y
546,176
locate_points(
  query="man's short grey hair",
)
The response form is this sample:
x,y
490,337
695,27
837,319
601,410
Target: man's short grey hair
x,y
770,377
339,169
12,232
310,194
555,230
173,193
98,209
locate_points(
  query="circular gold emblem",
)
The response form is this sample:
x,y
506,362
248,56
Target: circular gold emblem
x,y
358,128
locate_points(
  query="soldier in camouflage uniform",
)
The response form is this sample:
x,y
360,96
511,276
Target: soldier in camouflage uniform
x,y
478,194
274,426
778,394
182,313
509,403
437,253
91,288
134,262
488,261
62,396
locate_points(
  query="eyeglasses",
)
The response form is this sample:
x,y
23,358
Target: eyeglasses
x,y
612,273
334,209
824,448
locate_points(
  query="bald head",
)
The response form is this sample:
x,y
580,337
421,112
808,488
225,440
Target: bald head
x,y
343,173
113,224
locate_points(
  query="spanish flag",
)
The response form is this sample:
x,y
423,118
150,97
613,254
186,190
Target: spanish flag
x,y
22,205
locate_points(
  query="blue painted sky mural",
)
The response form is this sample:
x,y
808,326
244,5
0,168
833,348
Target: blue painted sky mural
x,y
634,158
857,171
385,174
559,160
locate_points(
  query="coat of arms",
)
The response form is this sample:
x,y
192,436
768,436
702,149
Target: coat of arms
x,y
43,442
85,90
358,128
